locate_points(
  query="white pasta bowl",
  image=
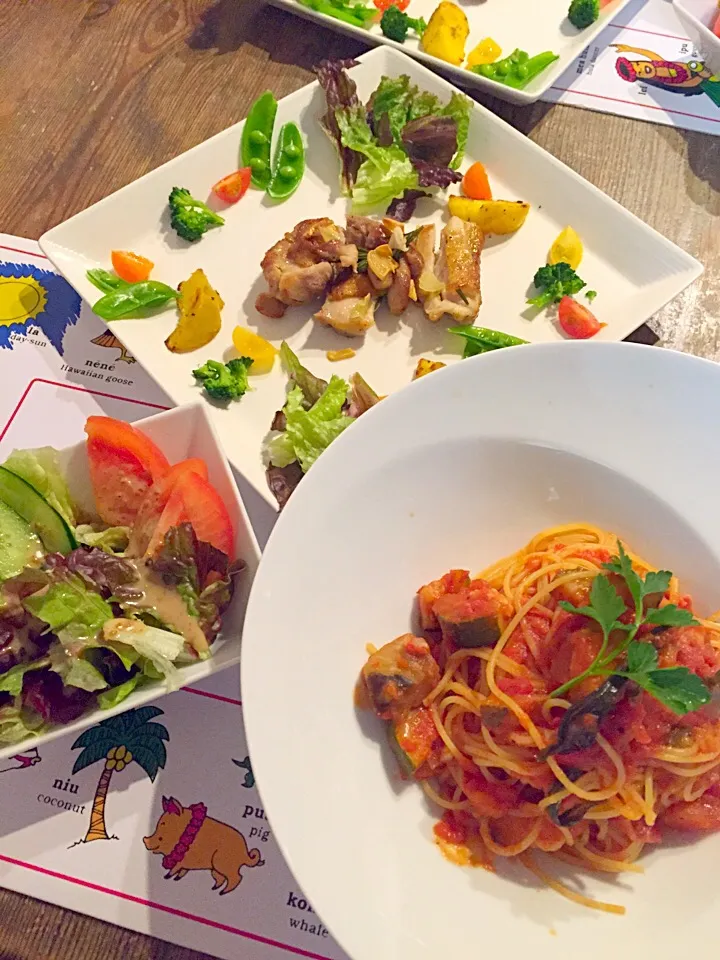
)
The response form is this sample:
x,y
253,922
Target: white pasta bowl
x,y
180,433
461,469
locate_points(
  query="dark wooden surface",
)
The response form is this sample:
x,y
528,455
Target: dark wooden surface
x,y
94,93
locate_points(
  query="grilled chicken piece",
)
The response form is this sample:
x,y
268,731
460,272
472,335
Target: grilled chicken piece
x,y
350,306
366,233
299,267
458,270
400,675
398,296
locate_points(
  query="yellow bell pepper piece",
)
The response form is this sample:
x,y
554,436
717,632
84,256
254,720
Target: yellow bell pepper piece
x,y
567,248
249,344
487,51
446,33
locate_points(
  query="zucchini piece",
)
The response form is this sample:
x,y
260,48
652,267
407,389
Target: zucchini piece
x,y
19,546
470,618
411,738
45,522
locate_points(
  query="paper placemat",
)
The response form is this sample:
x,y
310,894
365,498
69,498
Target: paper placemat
x,y
632,70
74,823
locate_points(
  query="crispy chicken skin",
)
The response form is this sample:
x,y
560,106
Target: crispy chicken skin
x,y
350,306
400,675
299,267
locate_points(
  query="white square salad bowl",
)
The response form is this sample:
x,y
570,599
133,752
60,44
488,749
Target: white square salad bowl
x,y
180,433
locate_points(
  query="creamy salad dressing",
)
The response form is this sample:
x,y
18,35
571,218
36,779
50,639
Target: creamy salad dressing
x,y
167,605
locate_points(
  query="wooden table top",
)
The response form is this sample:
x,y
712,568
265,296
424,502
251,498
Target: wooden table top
x,y
95,93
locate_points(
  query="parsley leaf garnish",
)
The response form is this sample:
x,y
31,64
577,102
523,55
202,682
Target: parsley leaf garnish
x,y
676,687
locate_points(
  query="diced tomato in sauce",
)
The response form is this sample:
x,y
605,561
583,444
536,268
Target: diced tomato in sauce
x,y
689,647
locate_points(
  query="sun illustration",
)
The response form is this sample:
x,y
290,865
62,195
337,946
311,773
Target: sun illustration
x,y
21,299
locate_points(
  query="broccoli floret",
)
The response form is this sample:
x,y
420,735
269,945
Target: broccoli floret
x,y
556,282
224,381
190,218
583,12
395,24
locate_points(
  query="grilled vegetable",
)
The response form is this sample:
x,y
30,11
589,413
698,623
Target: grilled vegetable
x,y
487,51
395,24
131,267
399,676
411,738
256,139
191,218
289,165
234,186
583,13
224,381
199,321
483,340
257,348
446,33
518,69
492,216
472,617
426,366
567,248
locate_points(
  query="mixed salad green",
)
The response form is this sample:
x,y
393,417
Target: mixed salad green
x,y
403,142
94,606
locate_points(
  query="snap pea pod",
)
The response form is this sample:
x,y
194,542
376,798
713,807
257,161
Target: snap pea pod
x,y
135,300
518,69
106,281
482,340
289,165
256,139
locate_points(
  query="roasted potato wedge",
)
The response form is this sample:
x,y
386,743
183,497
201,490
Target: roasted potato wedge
x,y
498,217
199,322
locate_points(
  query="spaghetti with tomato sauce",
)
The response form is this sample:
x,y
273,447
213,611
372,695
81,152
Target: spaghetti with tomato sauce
x,y
504,713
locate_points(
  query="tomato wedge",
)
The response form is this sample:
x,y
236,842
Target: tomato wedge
x,y
475,183
124,464
131,266
576,320
194,500
153,504
234,186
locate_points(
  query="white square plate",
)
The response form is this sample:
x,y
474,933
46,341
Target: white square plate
x,y
531,25
180,433
696,16
635,270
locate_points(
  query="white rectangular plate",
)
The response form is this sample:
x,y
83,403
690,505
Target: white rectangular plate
x,y
180,433
531,25
634,269
696,16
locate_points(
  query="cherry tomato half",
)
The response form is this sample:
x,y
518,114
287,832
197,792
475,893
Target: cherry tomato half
x,y
576,320
233,187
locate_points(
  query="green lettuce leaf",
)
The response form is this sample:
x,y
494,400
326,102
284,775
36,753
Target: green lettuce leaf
x,y
12,681
67,606
112,540
160,648
309,432
74,671
423,104
40,469
115,695
386,173
17,725
458,108
392,98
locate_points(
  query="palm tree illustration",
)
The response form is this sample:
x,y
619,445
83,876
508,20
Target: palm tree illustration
x,y
119,741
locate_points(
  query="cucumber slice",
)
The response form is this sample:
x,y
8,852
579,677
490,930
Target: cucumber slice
x,y
55,535
18,544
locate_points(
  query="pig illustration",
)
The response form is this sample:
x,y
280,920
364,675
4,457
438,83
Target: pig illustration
x,y
190,840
